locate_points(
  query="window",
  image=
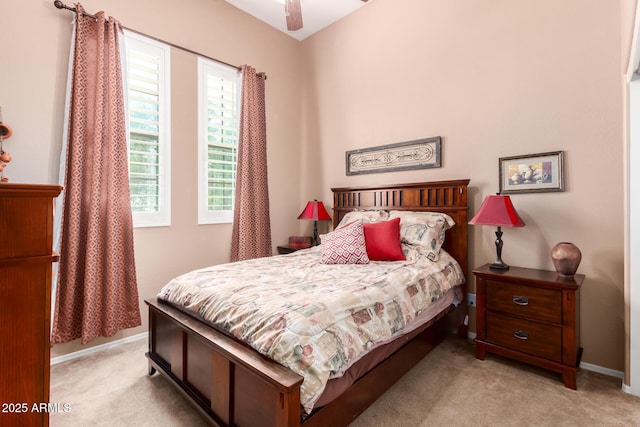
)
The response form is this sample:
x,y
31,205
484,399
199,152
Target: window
x,y
147,78
218,106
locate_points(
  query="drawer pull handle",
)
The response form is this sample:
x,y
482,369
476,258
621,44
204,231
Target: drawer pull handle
x,y
521,335
521,300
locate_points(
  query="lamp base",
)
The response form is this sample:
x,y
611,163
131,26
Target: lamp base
x,y
315,234
499,265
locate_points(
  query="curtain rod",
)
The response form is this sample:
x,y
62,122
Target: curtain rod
x,y
58,4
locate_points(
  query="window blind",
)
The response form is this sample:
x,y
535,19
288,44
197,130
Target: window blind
x,y
148,104
219,91
144,131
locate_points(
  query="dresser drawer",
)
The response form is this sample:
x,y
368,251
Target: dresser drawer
x,y
533,303
526,336
26,225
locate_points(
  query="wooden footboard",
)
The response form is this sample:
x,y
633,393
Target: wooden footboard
x,y
231,383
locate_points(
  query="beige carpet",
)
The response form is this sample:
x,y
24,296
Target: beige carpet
x,y
448,388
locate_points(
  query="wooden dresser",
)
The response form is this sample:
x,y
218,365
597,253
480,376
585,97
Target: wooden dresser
x,y
530,315
26,257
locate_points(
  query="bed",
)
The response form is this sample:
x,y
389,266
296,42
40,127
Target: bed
x,y
235,384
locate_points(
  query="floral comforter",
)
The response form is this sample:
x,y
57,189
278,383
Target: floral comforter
x,y
313,318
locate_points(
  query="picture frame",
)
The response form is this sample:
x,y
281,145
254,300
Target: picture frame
x,y
532,173
401,156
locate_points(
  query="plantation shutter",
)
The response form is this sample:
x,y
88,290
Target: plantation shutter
x,y
219,102
222,140
144,120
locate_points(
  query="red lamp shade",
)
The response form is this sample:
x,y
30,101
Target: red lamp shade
x,y
315,210
497,210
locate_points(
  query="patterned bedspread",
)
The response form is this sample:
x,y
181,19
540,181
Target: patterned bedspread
x,y
314,318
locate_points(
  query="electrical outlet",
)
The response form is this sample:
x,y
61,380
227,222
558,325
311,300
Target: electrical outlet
x,y
471,300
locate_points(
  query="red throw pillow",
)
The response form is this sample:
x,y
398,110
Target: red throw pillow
x,y
383,240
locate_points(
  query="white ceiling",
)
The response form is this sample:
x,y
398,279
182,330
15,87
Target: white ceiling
x,y
316,14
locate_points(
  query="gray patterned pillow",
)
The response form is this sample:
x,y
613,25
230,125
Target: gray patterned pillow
x,y
366,216
426,229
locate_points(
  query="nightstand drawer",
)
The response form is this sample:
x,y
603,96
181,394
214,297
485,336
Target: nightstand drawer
x,y
534,303
534,338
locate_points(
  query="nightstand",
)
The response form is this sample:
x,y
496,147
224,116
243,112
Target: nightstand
x,y
286,249
530,315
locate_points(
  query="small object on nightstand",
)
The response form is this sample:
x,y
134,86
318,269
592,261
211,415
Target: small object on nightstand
x,y
300,242
530,315
295,244
566,258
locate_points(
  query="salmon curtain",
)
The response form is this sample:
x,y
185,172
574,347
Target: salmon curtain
x,y
251,236
96,293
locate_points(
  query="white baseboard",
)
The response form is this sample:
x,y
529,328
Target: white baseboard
x,y
98,348
602,370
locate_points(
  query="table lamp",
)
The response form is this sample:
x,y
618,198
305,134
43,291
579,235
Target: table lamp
x,y
499,211
315,211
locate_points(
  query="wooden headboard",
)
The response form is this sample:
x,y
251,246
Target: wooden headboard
x,y
449,197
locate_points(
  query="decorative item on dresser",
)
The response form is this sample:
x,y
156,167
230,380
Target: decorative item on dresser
x,y
566,258
498,211
5,157
532,316
26,222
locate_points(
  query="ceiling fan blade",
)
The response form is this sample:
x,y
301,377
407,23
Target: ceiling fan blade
x,y
293,14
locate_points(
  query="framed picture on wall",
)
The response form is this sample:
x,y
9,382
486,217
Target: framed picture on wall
x,y
532,173
418,154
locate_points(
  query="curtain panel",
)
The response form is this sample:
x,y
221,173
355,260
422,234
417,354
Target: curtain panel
x,y
96,292
251,235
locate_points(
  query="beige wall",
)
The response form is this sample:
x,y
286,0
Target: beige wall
x,y
494,78
35,38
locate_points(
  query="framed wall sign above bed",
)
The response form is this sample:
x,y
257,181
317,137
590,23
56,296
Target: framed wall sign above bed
x,y
418,154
